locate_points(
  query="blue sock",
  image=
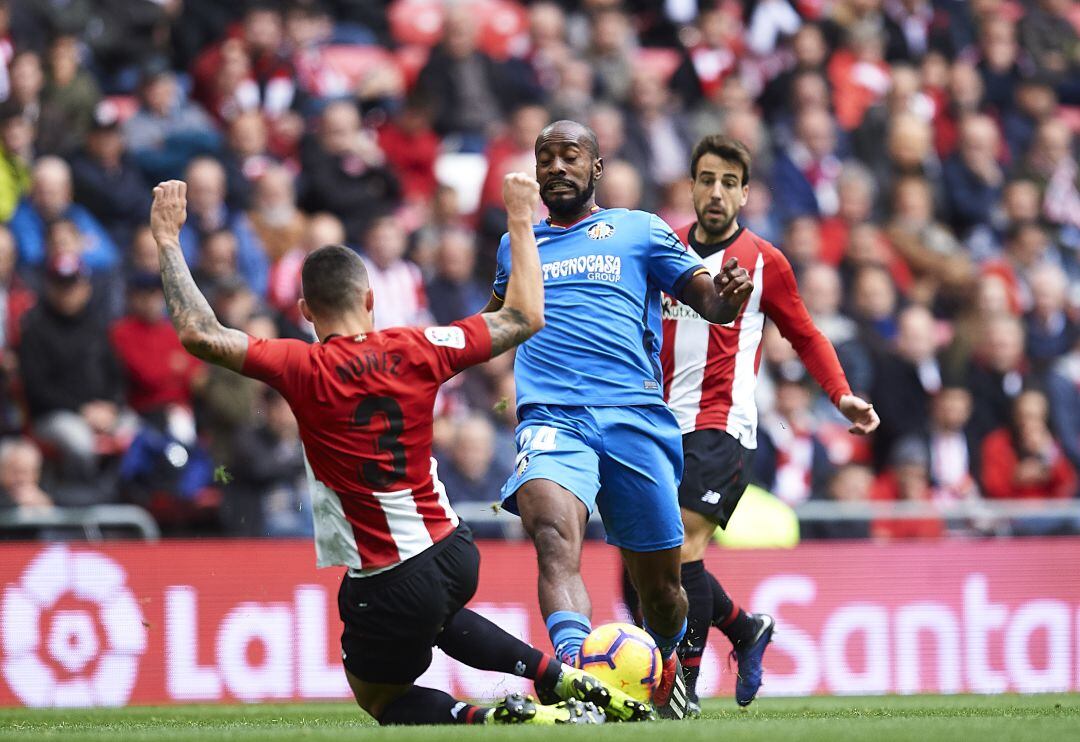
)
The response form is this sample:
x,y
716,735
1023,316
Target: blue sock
x,y
667,644
567,631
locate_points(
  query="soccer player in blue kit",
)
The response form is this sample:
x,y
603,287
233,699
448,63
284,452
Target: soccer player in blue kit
x,y
594,431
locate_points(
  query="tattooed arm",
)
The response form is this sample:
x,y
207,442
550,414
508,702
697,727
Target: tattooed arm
x,y
199,330
521,314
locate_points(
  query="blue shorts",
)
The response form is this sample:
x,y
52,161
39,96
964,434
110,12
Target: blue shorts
x,y
625,461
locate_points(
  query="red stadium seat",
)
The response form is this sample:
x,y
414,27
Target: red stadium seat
x,y
502,24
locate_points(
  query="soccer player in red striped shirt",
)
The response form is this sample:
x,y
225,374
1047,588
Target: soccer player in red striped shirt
x,y
710,373
363,401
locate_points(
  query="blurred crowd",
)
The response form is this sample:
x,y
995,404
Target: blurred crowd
x,y
914,159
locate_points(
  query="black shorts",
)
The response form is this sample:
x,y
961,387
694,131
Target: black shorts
x,y
391,619
716,470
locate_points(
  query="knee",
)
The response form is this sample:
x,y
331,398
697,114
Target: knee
x,y
663,596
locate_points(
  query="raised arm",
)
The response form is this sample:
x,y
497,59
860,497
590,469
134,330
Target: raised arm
x,y
718,299
520,314
200,332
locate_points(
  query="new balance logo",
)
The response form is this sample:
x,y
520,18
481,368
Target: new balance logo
x,y
711,498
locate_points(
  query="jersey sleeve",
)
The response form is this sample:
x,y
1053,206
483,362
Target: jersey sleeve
x,y
782,303
456,346
279,363
502,268
671,265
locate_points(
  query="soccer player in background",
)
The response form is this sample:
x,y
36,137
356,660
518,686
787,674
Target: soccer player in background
x,y
593,427
710,373
363,401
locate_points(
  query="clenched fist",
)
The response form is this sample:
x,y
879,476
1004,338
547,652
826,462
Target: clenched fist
x,y
169,210
733,283
521,194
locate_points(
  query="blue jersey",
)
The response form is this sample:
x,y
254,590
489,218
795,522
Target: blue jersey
x,y
602,282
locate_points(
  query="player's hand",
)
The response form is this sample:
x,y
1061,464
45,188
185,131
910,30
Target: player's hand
x,y
169,210
733,283
862,415
521,194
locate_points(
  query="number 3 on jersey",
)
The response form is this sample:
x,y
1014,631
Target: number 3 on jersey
x,y
376,474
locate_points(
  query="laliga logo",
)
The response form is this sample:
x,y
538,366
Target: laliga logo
x,y
86,650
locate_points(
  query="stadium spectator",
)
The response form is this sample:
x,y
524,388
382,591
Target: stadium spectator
x,y
621,187
907,479
905,380
469,473
806,171
20,475
855,192
997,373
269,494
1022,460
657,137
608,52
107,180
791,462
50,199
468,90
16,154
708,63
411,148
274,218
390,275
343,172
822,293
454,292
954,454
858,73
168,129
1036,102
70,95
159,375
216,268
999,63
1047,34
15,300
208,214
973,177
511,152
71,379
1063,394
850,483
321,229
245,157
809,52
1050,331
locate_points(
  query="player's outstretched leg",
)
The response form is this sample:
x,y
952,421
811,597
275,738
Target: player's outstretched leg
x,y
397,705
750,634
656,576
473,640
555,521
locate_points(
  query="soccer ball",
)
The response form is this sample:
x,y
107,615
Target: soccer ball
x,y
623,656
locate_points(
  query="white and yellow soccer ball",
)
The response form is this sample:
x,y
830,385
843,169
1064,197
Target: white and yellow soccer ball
x,y
624,657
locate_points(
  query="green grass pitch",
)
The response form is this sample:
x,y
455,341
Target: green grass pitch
x,y
1042,718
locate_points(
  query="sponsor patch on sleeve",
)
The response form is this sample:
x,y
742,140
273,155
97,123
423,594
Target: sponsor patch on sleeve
x,y
448,337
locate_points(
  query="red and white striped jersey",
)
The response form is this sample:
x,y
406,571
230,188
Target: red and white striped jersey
x,y
364,409
710,371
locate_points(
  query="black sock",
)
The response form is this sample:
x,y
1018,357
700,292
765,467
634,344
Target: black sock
x,y
728,617
698,620
421,705
631,599
471,639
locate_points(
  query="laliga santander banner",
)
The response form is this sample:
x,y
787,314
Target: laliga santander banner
x,y
185,621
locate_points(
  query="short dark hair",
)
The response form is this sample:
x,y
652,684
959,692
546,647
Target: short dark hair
x,y
333,279
725,148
